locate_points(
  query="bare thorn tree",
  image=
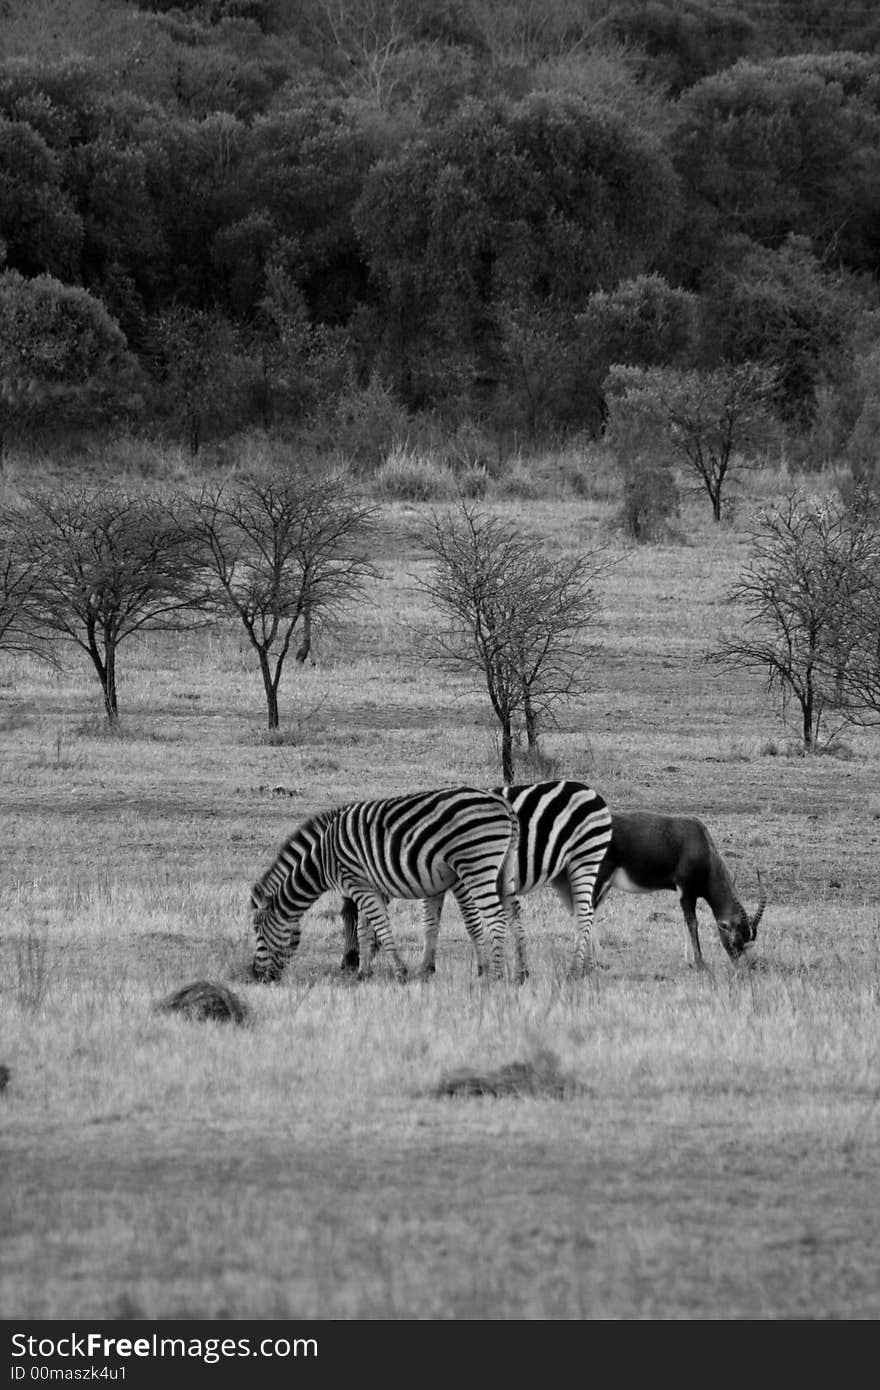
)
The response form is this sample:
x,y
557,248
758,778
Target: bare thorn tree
x,y
20,626
810,598
110,564
286,554
511,615
704,419
853,660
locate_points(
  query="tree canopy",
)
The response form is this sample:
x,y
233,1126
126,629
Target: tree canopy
x,y
450,191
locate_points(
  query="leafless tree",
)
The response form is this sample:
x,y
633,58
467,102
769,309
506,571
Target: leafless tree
x,y
370,34
512,615
110,564
20,628
286,554
809,592
853,661
703,418
528,32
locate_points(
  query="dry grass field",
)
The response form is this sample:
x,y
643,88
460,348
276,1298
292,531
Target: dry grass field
x,y
713,1149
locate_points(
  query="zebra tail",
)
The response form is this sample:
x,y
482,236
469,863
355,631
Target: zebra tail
x,y
506,884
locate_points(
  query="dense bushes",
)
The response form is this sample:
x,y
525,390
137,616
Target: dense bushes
x,y
341,222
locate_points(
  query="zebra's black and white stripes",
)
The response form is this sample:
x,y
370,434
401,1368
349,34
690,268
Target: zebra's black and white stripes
x,y
414,846
564,831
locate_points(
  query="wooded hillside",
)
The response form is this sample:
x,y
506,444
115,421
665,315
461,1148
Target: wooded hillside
x,y
356,219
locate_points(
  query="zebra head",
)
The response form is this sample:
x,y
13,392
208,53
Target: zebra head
x,y
272,938
281,896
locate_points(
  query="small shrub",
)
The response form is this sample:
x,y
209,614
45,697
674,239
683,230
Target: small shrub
x,y
254,453
728,511
587,468
520,483
576,480
366,424
537,766
836,748
771,748
650,500
863,446
406,476
735,751
469,449
821,444
32,969
203,1000
862,449
139,456
472,483
541,1075
278,738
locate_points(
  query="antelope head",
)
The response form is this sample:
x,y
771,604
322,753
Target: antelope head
x,y
738,930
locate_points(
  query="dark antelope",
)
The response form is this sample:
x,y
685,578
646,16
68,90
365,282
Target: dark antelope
x,y
649,852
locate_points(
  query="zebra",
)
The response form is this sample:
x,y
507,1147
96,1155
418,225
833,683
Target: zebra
x,y
412,846
564,832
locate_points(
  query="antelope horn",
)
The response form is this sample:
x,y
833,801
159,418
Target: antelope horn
x,y
759,913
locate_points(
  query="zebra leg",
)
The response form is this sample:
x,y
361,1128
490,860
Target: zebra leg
x,y
512,909
490,889
431,909
562,889
497,920
491,914
519,937
473,925
350,952
581,880
350,948
373,920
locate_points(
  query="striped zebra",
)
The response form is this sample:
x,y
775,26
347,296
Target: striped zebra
x,y
401,847
564,831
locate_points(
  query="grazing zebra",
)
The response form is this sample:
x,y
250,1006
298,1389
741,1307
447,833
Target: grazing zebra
x,y
564,831
400,847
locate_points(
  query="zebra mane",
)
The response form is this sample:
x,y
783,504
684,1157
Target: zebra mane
x,y
315,822
264,890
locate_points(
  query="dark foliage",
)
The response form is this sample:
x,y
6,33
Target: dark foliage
x,y
443,189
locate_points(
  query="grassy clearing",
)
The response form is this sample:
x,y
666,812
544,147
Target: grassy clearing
x,y
716,1152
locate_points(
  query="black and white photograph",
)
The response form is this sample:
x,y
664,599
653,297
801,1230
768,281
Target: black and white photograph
x,y
439,676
